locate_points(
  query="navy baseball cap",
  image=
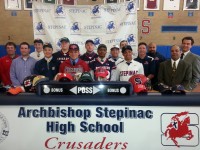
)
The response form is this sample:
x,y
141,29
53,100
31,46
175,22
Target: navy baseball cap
x,y
102,46
64,39
47,45
127,47
89,41
38,41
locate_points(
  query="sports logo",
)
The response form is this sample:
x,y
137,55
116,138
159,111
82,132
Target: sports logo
x,y
75,28
180,129
138,80
39,28
59,11
111,27
4,127
130,7
131,39
97,41
95,11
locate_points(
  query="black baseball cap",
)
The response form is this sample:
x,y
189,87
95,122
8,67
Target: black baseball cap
x,y
85,77
47,45
64,39
127,47
102,46
73,47
89,41
38,41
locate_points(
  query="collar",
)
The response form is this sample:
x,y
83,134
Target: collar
x,y
48,59
102,60
177,61
76,60
186,53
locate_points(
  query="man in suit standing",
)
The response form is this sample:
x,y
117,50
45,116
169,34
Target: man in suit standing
x,y
192,59
175,71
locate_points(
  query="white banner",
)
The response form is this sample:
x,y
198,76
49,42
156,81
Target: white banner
x,y
99,127
105,24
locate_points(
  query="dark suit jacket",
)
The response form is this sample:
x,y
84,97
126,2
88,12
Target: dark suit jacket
x,y
182,75
194,60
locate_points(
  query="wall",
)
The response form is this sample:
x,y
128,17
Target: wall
x,y
19,28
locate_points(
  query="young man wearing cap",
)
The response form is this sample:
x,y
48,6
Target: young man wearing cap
x,y
128,67
38,54
5,63
103,62
22,66
114,54
63,55
90,54
74,64
48,66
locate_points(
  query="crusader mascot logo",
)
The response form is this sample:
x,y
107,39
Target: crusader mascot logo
x,y
181,131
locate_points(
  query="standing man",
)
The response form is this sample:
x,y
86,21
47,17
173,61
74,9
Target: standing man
x,y
5,63
48,66
175,71
128,67
38,54
63,55
103,63
22,66
158,58
194,60
114,54
147,61
74,64
90,55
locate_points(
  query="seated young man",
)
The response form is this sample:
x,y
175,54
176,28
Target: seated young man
x,y
103,62
128,67
74,64
48,66
90,54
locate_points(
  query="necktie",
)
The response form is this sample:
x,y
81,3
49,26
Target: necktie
x,y
115,59
73,63
174,66
48,64
102,60
182,55
38,55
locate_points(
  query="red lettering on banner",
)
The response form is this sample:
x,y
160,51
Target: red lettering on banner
x,y
54,143
47,142
145,29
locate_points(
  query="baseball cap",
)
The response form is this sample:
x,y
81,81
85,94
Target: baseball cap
x,y
89,41
102,46
178,89
28,83
114,46
101,72
15,90
47,45
38,41
139,88
127,47
164,89
73,47
85,77
64,77
64,39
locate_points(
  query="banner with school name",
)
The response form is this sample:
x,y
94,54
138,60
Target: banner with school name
x,y
76,127
104,24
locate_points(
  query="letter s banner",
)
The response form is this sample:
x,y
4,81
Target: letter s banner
x,y
145,28
180,129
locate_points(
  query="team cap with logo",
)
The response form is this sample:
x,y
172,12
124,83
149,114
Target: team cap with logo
x,y
73,47
89,41
85,77
47,45
127,47
64,39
